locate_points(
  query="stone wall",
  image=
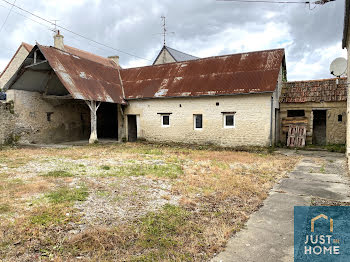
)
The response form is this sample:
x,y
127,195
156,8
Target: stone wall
x,y
7,121
40,120
15,64
335,130
252,119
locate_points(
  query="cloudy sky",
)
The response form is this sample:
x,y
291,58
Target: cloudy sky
x,y
312,38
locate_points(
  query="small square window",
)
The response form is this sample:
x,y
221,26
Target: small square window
x,y
165,120
229,120
48,116
295,113
340,118
217,103
198,121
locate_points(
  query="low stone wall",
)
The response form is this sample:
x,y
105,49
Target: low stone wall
x,y
7,122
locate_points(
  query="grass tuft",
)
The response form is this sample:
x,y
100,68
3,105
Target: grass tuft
x,y
58,173
66,194
171,171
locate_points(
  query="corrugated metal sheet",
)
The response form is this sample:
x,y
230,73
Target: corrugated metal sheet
x,y
325,90
85,79
253,72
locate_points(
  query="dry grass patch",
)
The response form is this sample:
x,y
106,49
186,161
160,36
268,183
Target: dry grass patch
x,y
128,202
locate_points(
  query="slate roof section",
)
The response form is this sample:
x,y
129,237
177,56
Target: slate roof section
x,y
180,56
245,73
324,90
176,54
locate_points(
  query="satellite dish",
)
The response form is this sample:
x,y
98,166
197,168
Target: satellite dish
x,y
338,67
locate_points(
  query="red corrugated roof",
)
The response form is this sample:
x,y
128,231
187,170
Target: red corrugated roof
x,y
83,78
253,72
98,59
324,90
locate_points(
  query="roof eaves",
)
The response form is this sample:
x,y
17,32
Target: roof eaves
x,y
197,96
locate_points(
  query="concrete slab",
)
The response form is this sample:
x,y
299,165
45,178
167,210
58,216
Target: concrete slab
x,y
268,235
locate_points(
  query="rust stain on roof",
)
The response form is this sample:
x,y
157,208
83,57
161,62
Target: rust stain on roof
x,y
254,72
83,78
98,59
324,90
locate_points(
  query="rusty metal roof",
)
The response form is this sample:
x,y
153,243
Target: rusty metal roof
x,y
324,90
254,72
98,59
85,79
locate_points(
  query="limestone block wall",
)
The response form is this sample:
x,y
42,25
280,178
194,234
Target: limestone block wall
x,y
252,119
7,121
41,120
164,58
13,66
348,100
335,130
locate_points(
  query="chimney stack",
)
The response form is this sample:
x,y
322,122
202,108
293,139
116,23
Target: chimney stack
x,y
58,40
115,59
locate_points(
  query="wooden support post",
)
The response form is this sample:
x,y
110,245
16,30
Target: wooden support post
x,y
93,109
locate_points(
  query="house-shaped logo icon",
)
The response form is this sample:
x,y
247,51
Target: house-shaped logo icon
x,y
318,217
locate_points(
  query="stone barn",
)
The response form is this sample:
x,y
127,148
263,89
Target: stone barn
x,y
317,105
64,94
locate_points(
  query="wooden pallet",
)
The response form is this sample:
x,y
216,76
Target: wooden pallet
x,y
296,136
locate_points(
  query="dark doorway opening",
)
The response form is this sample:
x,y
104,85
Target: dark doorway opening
x,y
132,128
107,121
319,127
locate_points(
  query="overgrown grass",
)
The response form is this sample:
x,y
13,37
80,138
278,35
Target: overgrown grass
x,y
215,190
58,173
47,216
159,236
66,194
171,171
4,208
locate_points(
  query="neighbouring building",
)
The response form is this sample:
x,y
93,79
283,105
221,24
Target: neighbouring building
x,y
16,61
346,44
63,94
317,105
170,55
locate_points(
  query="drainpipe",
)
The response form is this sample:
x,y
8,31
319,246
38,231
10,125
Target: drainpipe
x,y
271,121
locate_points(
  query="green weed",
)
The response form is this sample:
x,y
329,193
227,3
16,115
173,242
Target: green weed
x,y
66,194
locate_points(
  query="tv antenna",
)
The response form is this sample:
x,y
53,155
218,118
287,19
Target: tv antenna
x,y
338,67
165,31
55,25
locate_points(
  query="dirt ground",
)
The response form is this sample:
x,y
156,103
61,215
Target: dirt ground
x,y
128,202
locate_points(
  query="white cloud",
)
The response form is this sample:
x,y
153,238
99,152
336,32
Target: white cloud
x,y
202,28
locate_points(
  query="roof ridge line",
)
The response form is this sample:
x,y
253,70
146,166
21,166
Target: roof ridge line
x,y
204,58
317,80
79,55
